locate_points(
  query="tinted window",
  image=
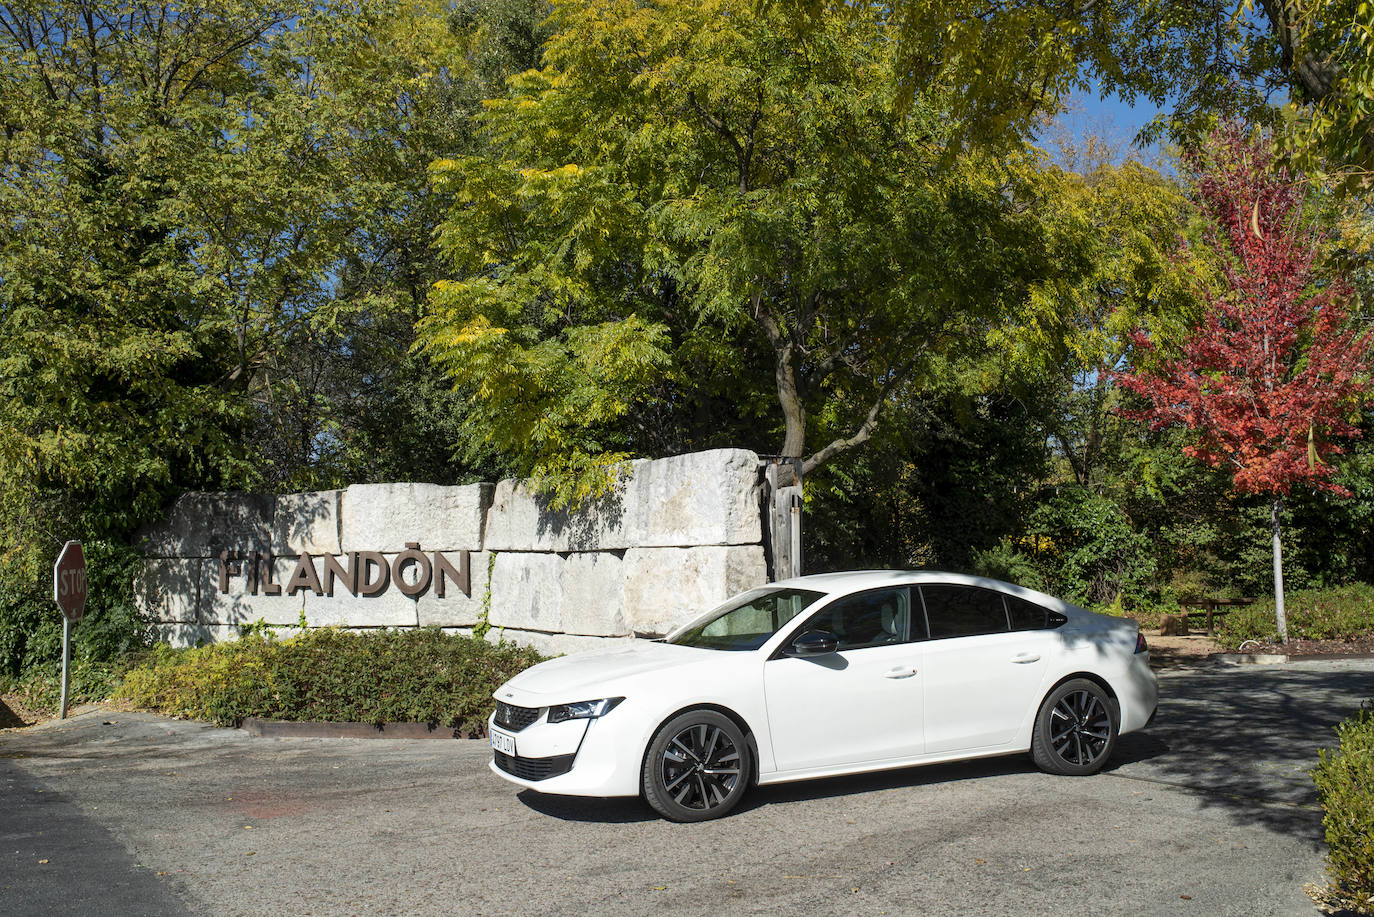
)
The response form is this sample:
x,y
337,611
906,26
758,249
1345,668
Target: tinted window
x,y
1030,616
963,611
867,619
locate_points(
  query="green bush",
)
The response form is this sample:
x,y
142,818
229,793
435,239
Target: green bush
x,y
403,676
31,625
1342,613
1080,546
1345,783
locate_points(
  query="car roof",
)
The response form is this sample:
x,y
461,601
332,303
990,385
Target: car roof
x,y
870,579
858,580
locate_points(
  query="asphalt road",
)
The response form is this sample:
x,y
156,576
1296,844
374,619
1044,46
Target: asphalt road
x,y
1209,812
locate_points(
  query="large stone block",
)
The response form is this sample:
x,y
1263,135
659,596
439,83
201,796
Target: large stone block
x,y
202,525
307,523
666,587
386,517
559,644
521,520
703,498
168,589
390,609
180,636
456,609
593,600
527,592
710,498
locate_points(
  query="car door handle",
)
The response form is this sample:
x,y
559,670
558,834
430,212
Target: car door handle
x,y
899,673
1023,658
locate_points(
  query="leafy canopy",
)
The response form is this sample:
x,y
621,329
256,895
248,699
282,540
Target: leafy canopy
x,y
688,185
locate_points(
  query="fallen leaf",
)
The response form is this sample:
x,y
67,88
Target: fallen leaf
x,y
1186,897
42,862
660,888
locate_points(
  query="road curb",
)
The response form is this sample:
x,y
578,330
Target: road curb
x,y
1280,658
290,729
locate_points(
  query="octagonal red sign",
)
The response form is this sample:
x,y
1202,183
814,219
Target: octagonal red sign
x,y
69,580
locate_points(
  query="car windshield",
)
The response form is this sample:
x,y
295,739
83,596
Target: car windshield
x,y
746,621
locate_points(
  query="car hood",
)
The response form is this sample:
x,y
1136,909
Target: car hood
x,y
571,677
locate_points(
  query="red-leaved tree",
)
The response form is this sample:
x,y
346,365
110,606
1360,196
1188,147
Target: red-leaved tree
x,y
1270,375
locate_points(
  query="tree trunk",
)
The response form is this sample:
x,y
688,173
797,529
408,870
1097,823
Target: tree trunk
x,y
1275,510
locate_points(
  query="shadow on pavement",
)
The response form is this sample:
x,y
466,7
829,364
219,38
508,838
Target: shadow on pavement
x,y
1246,738
43,833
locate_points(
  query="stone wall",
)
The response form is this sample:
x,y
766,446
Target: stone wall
x,y
674,537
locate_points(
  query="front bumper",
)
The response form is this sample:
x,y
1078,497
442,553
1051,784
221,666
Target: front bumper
x,y
588,757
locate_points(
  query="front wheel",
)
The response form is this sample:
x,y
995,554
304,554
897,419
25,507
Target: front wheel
x,y
1075,729
696,767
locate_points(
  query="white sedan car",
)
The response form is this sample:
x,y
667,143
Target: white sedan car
x,y
823,675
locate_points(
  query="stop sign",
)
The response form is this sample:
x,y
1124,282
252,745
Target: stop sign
x,y
69,580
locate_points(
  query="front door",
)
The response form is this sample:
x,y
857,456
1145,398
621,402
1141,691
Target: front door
x,y
859,704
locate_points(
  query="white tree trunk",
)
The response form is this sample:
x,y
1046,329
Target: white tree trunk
x,y
1278,571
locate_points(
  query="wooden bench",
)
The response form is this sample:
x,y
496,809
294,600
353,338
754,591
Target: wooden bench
x,y
1213,607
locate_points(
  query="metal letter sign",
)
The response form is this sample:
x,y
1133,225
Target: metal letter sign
x,y
69,581
69,589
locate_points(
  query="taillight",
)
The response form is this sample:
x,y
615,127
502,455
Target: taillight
x,y
1140,645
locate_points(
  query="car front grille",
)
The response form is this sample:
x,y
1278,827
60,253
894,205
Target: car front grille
x,y
509,716
534,768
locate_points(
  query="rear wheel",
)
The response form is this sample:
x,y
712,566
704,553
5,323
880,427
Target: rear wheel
x,y
1075,729
697,766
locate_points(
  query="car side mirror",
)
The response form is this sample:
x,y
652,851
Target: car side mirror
x,y
813,643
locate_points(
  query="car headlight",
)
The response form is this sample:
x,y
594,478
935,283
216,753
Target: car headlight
x,y
583,709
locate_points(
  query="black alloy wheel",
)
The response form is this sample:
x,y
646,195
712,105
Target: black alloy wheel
x,y
1075,729
696,767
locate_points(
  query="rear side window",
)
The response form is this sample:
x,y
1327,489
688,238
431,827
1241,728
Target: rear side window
x,y
1030,616
963,611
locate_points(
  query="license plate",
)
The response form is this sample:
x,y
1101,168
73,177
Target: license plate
x,y
503,743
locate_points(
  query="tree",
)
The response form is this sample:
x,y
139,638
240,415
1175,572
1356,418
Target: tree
x,y
217,228
1269,378
687,193
1009,63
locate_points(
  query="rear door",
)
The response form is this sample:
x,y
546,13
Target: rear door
x,y
982,679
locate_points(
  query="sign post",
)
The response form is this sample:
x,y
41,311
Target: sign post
x,y
69,590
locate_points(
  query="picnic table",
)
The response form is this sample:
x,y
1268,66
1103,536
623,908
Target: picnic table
x,y
1213,607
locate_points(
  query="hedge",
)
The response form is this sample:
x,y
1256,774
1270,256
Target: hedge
x,y
403,676
1340,613
1345,783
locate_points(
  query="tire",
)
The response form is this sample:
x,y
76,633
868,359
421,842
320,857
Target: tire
x,y
1075,729
697,767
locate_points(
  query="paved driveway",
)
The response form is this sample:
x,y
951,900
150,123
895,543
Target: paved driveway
x,y
1210,812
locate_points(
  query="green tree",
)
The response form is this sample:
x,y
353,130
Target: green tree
x,y
217,234
1008,64
689,190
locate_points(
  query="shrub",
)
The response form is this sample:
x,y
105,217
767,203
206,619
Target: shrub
x,y
1080,546
1345,783
414,676
1342,613
31,625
